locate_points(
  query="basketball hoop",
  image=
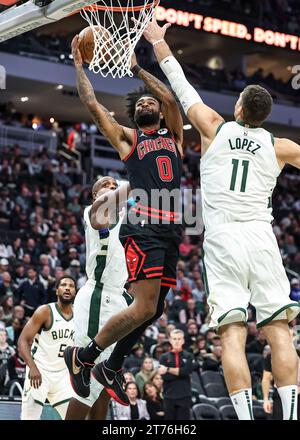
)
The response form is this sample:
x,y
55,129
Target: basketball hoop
x,y
114,57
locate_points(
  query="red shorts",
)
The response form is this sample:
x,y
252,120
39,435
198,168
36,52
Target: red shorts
x,y
150,256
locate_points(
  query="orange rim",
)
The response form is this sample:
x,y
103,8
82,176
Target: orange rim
x,y
119,8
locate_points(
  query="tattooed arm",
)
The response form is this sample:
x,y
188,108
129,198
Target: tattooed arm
x,y
120,137
205,119
170,109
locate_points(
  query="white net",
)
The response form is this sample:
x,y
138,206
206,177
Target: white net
x,y
113,49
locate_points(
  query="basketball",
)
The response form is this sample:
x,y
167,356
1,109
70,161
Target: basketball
x,y
87,43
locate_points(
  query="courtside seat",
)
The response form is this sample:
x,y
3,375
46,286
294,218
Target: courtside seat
x,y
227,412
203,411
216,390
211,377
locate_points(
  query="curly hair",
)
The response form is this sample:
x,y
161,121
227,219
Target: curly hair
x,y
132,99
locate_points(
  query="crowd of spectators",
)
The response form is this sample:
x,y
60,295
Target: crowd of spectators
x,y
279,15
42,237
202,76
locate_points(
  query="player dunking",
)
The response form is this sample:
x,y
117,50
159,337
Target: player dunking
x,y
239,168
152,156
103,295
52,329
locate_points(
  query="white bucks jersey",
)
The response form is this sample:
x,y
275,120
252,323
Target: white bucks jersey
x,y
105,257
238,174
49,345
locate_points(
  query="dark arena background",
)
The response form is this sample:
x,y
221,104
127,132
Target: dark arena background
x,y
51,153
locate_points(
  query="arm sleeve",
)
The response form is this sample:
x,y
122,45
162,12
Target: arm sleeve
x,y
184,91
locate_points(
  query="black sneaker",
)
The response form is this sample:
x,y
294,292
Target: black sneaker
x,y
80,372
113,382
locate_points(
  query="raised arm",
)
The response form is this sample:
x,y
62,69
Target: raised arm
x,y
287,151
40,318
204,119
110,201
120,137
170,108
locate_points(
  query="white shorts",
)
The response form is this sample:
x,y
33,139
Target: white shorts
x,y
93,307
55,387
243,264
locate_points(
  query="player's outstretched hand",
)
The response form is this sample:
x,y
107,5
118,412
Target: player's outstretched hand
x,y
35,377
78,61
154,32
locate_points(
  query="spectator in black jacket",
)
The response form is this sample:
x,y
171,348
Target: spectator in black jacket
x,y
176,368
31,294
6,286
154,401
135,359
257,346
213,361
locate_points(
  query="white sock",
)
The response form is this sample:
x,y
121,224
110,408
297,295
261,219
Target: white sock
x,y
242,402
289,400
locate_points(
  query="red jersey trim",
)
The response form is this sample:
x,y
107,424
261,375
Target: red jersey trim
x,y
151,269
172,216
133,148
169,279
149,131
154,275
154,210
163,284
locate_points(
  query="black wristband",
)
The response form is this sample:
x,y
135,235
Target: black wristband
x,y
136,69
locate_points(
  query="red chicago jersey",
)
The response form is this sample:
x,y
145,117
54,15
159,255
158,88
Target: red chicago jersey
x,y
154,162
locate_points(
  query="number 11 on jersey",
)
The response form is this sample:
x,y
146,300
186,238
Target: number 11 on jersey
x,y
235,167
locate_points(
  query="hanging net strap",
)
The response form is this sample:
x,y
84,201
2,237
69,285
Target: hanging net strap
x,y
114,48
